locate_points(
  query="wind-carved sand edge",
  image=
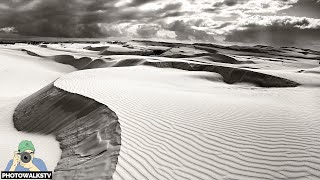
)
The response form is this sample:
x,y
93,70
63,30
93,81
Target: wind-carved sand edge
x,y
88,132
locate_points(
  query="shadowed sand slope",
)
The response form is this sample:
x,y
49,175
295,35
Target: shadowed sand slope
x,y
64,59
88,131
230,75
176,124
70,60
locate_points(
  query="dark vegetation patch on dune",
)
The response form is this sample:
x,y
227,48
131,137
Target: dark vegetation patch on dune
x,y
88,131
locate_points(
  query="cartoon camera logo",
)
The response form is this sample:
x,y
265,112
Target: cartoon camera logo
x,y
25,165
24,159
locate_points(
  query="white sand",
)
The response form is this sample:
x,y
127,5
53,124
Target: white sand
x,y
20,76
55,49
189,125
178,124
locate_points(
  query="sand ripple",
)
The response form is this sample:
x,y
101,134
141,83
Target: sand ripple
x,y
176,125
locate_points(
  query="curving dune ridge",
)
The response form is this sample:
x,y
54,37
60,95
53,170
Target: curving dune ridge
x,y
231,75
176,125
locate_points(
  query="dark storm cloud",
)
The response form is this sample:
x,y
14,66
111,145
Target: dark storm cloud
x,y
184,31
57,18
60,18
76,18
15,3
277,31
227,3
169,10
148,31
304,8
183,19
230,2
135,3
223,25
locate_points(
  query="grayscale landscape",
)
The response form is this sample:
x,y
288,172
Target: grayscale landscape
x,y
140,104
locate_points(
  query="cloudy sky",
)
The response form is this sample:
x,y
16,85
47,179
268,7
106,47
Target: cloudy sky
x,y
270,22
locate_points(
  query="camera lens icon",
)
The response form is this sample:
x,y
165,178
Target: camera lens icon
x,y
25,157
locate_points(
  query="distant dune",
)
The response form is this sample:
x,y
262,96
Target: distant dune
x,y
230,75
158,110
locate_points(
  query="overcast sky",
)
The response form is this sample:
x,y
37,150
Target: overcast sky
x,y
271,22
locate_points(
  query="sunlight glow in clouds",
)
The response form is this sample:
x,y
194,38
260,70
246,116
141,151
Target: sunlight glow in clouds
x,y
196,20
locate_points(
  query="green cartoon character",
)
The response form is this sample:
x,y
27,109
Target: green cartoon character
x,y
24,159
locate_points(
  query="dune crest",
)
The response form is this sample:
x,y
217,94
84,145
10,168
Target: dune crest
x,y
176,124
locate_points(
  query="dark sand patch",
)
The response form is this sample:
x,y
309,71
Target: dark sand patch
x,y
101,48
71,60
230,75
88,131
98,63
139,52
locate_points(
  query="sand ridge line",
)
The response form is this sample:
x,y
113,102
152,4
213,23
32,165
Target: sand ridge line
x,y
160,123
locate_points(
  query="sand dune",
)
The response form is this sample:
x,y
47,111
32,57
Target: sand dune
x,y
64,59
176,125
100,48
230,75
70,60
312,70
128,51
260,50
186,111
